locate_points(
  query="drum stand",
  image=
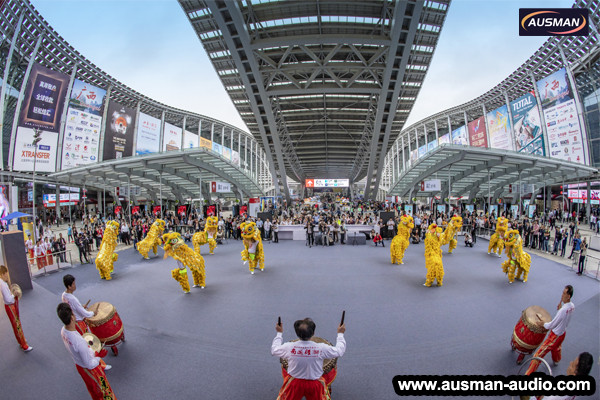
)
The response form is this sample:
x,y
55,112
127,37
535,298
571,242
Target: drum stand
x,y
542,361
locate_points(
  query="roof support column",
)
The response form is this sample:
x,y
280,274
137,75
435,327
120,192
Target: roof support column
x,y
437,134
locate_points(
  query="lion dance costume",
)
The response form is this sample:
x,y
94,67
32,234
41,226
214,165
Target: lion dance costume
x,y
518,260
400,242
106,256
152,239
450,232
497,239
433,256
253,251
208,235
176,248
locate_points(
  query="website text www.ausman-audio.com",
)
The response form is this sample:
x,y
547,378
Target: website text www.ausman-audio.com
x,y
493,385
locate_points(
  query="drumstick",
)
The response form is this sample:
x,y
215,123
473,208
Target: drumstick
x,y
343,316
279,321
86,304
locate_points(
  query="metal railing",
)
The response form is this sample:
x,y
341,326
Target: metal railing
x,y
54,259
590,263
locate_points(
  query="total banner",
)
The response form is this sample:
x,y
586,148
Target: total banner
x,y
172,137
118,135
44,99
527,125
25,152
148,135
499,129
459,136
477,132
190,140
565,138
81,140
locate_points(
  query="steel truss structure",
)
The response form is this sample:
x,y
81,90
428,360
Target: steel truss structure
x,y
325,86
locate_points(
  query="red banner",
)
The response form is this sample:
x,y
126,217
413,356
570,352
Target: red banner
x,y
182,210
211,211
135,209
118,210
243,210
156,210
477,133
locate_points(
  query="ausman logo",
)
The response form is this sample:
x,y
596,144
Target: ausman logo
x,y
553,22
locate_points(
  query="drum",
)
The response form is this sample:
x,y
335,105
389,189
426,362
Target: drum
x,y
328,364
107,325
527,335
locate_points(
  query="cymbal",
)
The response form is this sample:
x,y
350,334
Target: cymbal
x,y
93,341
16,290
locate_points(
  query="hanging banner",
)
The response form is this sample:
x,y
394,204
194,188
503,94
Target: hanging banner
x,y
190,140
459,136
25,152
118,135
227,153
135,210
422,151
499,129
220,187
181,210
431,145
207,144
478,133
44,99
156,210
414,155
172,137
554,89
87,98
235,157
81,140
527,126
148,135
445,139
217,148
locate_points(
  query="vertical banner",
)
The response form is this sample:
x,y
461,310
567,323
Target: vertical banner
x,y
227,153
190,140
235,157
217,148
148,135
43,101
422,151
527,126
81,141
25,152
431,145
565,136
414,155
118,135
172,137
459,136
499,129
445,139
206,143
478,133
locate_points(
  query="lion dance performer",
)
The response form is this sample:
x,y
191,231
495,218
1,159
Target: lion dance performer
x,y
208,235
106,256
253,251
497,239
400,242
450,232
185,257
518,260
433,255
152,239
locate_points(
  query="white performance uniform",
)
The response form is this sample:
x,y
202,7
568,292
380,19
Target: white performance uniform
x,y
6,293
305,358
80,351
78,310
561,320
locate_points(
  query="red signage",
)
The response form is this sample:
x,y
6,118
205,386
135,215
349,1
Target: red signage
x,y
156,210
181,210
211,211
243,210
135,209
118,209
309,183
477,133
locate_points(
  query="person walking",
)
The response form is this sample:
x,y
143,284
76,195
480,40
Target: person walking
x,y
582,254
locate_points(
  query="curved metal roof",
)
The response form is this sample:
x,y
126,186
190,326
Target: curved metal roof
x,y
324,85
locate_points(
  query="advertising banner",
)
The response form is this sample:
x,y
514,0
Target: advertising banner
x,y
65,198
414,155
470,208
554,89
44,99
207,144
217,148
118,135
227,153
459,136
445,139
148,135
135,210
433,185
25,152
190,140
81,140
408,209
527,125
235,157
156,210
87,98
182,210
422,151
220,187
478,133
531,210
172,137
441,208
431,145
564,132
494,210
499,129
514,210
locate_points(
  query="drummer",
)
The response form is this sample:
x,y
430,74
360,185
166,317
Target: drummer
x,y
90,367
305,361
78,310
11,305
558,330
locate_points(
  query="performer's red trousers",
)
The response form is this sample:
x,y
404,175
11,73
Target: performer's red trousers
x,y
553,344
96,383
296,389
12,310
81,327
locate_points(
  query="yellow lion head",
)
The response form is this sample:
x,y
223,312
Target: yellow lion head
x,y
172,241
248,230
457,221
212,222
113,226
160,224
502,224
408,221
512,238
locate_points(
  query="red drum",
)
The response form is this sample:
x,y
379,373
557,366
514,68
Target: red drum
x,y
528,335
107,325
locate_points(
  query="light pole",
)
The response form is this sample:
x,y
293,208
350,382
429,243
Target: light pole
x,y
36,139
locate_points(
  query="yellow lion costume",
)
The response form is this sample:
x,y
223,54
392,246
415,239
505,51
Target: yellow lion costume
x,y
497,240
208,235
450,232
518,260
433,256
107,256
400,242
152,239
253,248
185,257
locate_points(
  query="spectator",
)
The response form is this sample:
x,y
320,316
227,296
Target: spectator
x,y
582,254
468,240
576,245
